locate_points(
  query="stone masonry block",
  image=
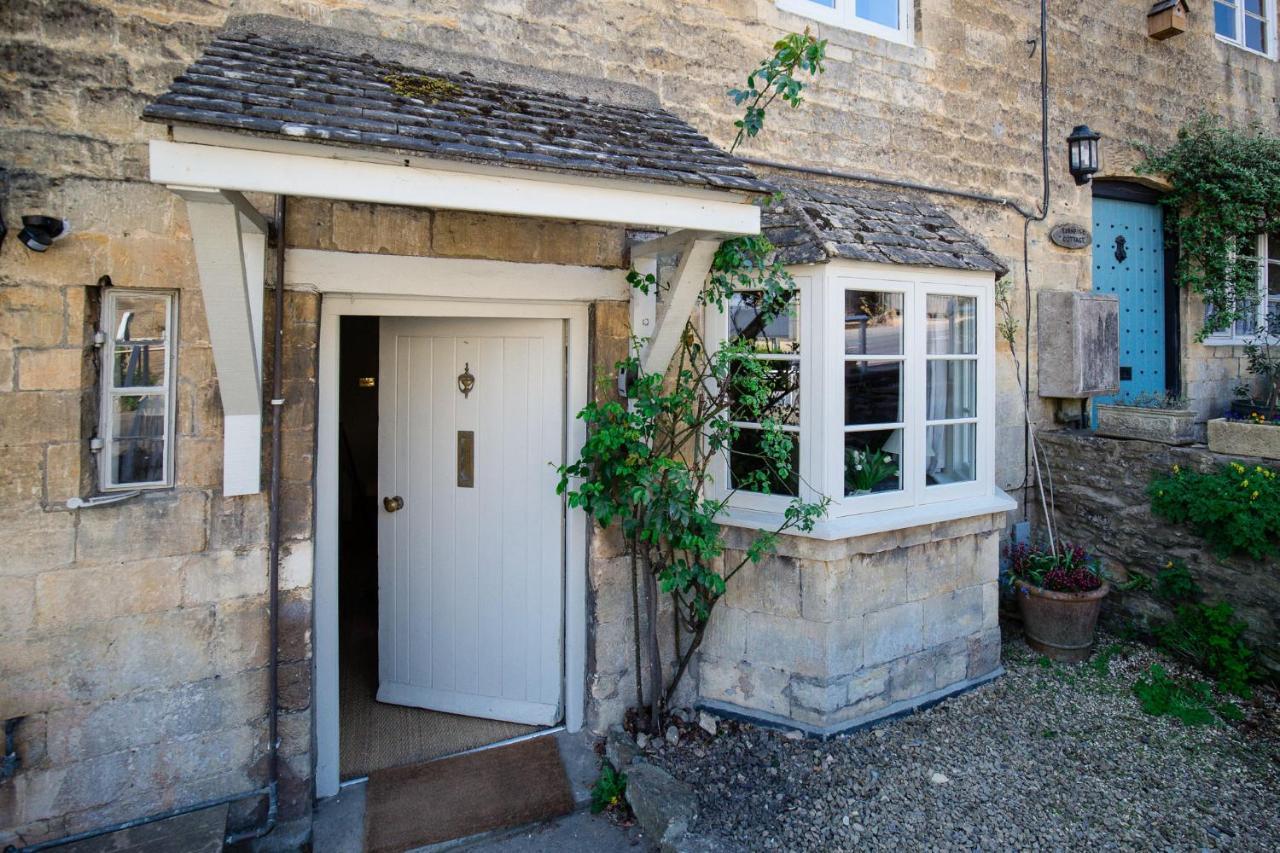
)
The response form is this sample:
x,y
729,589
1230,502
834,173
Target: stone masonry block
x,y
931,569
19,482
770,586
726,635
459,234
984,652
220,576
17,606
748,685
62,471
155,525
952,615
794,645
49,369
893,632
77,596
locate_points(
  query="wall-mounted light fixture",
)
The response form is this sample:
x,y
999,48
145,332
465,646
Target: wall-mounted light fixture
x,y
39,232
1082,146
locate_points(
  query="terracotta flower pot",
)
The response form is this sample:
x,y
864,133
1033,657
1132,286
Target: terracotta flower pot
x,y
1060,624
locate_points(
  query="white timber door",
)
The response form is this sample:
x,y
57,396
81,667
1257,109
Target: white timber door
x,y
471,531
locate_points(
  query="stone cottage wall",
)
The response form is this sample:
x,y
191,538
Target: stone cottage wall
x,y
831,634
1101,496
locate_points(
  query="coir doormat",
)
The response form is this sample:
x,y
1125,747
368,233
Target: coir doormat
x,y
450,798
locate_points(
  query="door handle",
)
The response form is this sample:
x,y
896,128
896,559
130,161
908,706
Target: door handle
x,y
394,504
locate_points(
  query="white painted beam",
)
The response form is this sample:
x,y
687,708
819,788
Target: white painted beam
x,y
672,243
690,276
231,265
426,183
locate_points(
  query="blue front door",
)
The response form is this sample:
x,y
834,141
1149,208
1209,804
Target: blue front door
x,y
1128,260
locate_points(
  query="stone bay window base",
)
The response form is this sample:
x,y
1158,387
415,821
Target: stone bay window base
x,y
829,635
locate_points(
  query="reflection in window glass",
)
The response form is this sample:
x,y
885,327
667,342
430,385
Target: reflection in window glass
x,y
137,438
136,388
137,461
952,325
883,12
872,462
780,335
952,390
872,392
950,453
872,323
140,317
1224,18
747,465
783,401
139,365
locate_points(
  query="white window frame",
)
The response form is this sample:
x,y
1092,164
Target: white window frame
x,y
1269,9
109,391
1229,337
822,429
844,15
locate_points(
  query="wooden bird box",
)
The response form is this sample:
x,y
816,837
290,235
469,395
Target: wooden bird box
x,y
1167,19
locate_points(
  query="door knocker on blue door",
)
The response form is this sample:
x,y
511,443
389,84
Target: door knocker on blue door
x,y
466,381
1121,252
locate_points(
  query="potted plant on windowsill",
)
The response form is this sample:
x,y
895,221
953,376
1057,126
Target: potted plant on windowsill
x,y
1151,416
1251,427
1059,595
865,470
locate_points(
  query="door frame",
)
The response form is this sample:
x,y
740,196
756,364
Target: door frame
x,y
338,301
1119,189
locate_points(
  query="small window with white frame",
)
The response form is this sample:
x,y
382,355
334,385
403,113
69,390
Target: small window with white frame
x,y
888,19
1250,24
137,389
1263,312
897,369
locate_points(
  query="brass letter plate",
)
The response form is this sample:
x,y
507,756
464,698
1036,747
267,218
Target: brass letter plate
x,y
466,459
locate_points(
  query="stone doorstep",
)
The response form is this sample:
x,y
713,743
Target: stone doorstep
x,y
901,708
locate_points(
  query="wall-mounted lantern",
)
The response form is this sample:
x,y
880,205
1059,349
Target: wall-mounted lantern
x,y
1083,147
1167,19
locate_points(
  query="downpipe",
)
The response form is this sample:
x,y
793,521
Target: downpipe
x,y
271,789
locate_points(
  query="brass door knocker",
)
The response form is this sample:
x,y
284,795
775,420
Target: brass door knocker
x,y
466,381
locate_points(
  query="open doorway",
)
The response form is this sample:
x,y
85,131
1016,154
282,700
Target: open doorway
x,y
377,735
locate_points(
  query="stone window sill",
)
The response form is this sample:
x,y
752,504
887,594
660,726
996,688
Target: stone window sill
x,y
868,524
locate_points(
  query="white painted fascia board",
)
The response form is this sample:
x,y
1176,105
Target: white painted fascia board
x,y
418,182
456,278
691,274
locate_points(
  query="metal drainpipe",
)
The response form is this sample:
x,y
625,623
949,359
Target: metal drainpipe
x,y
271,789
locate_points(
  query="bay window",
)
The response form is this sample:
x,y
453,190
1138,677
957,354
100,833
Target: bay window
x,y
889,19
890,399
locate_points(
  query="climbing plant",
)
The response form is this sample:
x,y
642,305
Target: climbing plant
x,y
1225,190
648,459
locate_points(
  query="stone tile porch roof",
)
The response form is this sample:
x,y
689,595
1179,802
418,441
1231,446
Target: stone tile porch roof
x,y
817,222
283,86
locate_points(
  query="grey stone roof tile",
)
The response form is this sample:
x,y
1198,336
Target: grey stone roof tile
x,y
272,85
818,222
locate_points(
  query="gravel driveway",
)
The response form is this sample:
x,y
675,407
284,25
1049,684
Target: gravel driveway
x,y
1050,756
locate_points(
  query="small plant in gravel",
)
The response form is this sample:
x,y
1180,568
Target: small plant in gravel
x,y
1186,699
1209,636
1236,508
609,791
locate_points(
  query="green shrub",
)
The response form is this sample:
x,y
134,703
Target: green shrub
x,y
1209,636
1236,509
609,790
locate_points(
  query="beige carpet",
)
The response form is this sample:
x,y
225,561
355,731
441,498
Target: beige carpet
x,y
375,735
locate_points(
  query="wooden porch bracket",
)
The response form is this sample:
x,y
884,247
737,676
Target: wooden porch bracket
x,y
230,239
697,250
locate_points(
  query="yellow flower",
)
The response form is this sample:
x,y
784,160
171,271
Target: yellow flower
x,y
1169,565
1254,496
1176,469
1244,484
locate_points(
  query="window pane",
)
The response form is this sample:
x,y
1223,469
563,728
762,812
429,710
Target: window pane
x,y
138,366
138,416
135,460
952,388
749,470
879,11
1224,19
830,4
1255,34
953,325
1273,247
139,317
950,453
872,323
779,335
872,392
1254,7
872,462
777,397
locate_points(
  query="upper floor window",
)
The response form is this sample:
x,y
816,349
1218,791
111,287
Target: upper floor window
x,y
890,399
137,389
890,19
1263,313
1251,24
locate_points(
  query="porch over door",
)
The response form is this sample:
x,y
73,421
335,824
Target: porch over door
x,y
470,567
